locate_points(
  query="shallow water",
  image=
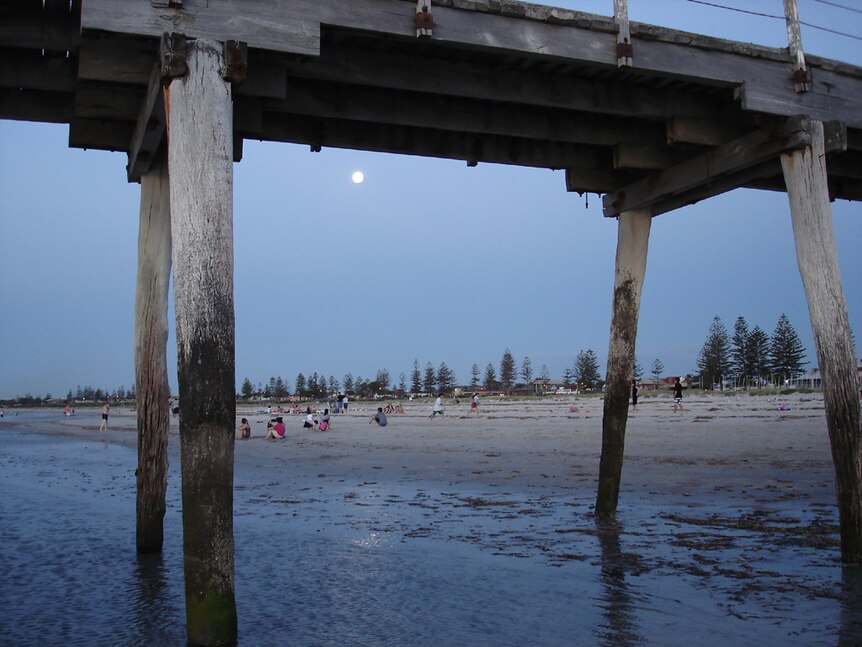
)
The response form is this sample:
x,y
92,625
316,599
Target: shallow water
x,y
389,562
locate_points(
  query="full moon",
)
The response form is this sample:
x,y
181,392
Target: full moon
x,y
358,177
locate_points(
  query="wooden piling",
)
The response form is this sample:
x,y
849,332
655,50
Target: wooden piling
x,y
151,372
805,176
632,245
200,143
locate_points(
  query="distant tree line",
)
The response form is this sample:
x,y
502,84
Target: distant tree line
x,y
85,394
750,357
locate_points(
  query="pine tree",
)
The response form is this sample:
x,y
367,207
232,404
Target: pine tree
x,y
758,354
527,370
348,383
786,352
247,388
445,378
490,382
415,378
507,371
568,376
637,369
657,369
430,378
300,385
402,383
713,360
474,377
333,384
383,379
587,369
740,364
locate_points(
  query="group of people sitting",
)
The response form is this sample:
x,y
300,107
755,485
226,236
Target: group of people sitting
x,y
275,428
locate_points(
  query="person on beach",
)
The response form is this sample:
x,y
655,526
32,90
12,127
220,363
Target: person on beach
x,y
438,408
244,429
677,396
105,411
634,395
276,431
474,404
344,404
325,421
379,418
310,422
68,410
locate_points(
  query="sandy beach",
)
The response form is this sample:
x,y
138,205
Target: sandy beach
x,y
472,529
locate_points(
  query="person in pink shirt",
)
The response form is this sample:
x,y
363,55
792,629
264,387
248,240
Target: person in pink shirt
x,y
276,431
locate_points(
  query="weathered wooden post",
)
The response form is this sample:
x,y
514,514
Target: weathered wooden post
x,y
200,155
632,245
151,370
805,175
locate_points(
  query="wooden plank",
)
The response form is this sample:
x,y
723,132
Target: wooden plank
x,y
630,155
430,143
32,28
31,70
255,23
596,180
466,79
735,156
458,114
36,105
694,130
100,134
117,60
108,102
813,232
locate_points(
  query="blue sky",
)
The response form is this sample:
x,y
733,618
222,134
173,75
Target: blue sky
x,y
333,277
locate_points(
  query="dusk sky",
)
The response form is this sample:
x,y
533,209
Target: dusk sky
x,y
427,259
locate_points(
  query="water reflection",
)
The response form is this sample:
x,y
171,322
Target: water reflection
x,y
620,627
154,602
851,607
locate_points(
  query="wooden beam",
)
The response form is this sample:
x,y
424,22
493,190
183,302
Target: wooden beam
x,y
254,22
31,27
151,368
694,130
596,180
36,105
805,173
29,70
632,245
497,82
201,195
150,127
631,155
117,102
430,143
100,134
750,150
339,101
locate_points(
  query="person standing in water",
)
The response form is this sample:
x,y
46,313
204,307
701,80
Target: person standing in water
x,y
105,411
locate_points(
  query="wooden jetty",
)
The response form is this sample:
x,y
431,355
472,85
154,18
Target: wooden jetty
x,y
653,119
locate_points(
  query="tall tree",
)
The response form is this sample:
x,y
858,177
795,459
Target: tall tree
x,y
321,385
445,378
637,369
507,371
430,378
527,370
786,352
657,369
713,360
247,388
402,383
415,378
383,379
347,383
280,390
568,375
758,354
474,376
300,385
490,382
587,369
334,386
740,357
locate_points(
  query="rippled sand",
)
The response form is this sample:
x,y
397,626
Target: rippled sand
x,y
449,532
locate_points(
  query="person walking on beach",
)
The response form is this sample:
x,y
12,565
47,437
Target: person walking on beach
x,y
379,418
677,396
634,395
105,411
438,408
474,404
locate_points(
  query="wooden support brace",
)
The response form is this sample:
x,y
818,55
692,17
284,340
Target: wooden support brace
x,y
750,150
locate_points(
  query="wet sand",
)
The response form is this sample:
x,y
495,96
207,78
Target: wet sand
x,y
468,530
